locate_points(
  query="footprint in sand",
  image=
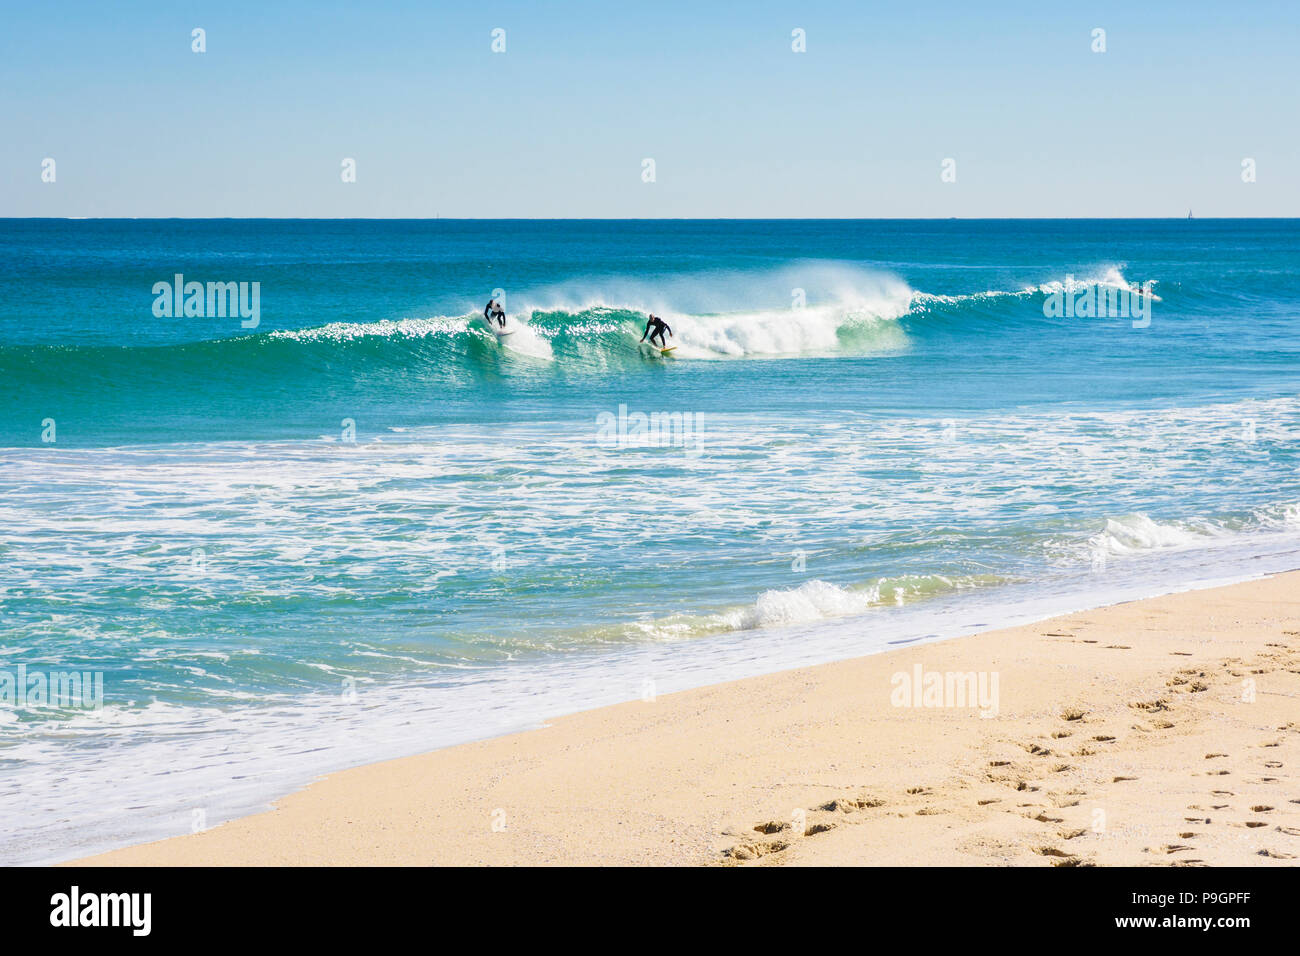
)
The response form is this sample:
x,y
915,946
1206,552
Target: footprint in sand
x,y
1151,706
1051,851
850,804
753,851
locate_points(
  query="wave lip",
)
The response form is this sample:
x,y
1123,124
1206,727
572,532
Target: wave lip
x,y
798,309
385,329
1107,277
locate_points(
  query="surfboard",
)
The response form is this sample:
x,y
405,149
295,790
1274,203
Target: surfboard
x,y
499,331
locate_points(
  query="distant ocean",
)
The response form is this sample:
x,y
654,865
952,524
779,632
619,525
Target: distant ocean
x,y
348,524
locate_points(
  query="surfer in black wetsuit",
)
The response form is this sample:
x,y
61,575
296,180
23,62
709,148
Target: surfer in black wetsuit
x,y
660,327
493,311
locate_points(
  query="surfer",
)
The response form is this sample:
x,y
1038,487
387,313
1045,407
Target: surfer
x,y
493,311
659,327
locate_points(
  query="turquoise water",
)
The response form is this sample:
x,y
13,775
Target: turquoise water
x,y
881,436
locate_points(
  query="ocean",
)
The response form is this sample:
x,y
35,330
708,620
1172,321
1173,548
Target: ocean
x,y
322,517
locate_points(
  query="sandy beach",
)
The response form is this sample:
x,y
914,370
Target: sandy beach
x,y
1160,732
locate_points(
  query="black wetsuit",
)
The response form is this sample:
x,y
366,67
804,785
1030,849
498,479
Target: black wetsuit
x,y
660,327
490,313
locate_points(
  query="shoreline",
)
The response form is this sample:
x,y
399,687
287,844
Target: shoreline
x,y
1105,749
530,697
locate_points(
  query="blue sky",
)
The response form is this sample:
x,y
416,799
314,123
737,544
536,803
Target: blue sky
x,y
738,125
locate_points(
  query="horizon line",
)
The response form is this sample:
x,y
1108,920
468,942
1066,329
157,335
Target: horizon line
x,y
649,219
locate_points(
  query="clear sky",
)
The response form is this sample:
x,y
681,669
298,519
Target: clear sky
x,y
737,123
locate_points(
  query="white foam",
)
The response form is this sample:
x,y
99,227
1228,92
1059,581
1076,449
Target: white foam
x,y
795,309
387,328
1104,276
524,340
1137,532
